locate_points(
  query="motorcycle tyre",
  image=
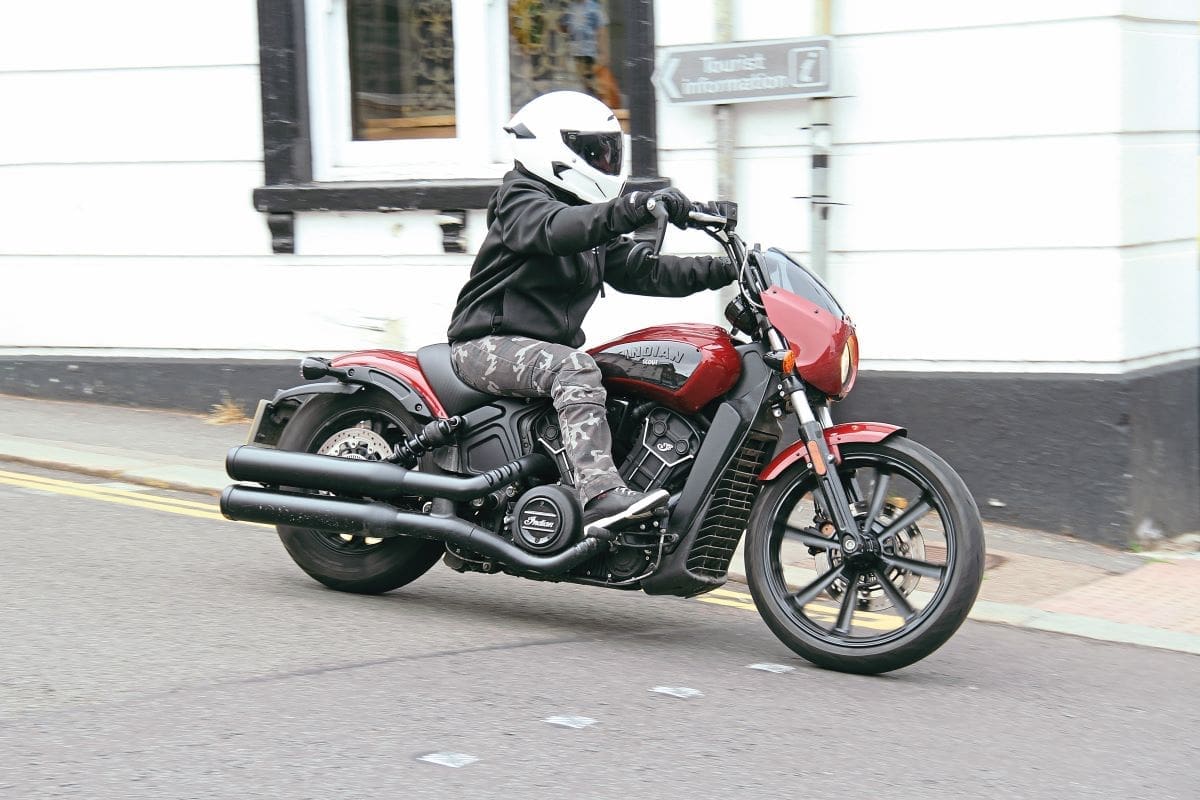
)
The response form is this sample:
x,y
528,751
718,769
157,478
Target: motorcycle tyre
x,y
932,632
387,565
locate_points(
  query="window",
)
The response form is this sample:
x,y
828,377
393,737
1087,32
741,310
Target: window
x,y
402,69
383,104
414,88
404,89
566,44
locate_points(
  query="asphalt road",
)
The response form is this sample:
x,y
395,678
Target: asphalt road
x,y
149,648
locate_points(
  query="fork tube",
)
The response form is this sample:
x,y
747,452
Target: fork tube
x,y
812,433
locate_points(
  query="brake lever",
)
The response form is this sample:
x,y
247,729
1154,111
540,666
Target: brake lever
x,y
662,214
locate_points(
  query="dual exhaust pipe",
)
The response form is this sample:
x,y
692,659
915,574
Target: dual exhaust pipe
x,y
384,481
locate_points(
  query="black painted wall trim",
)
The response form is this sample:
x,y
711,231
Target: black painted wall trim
x,y
178,384
383,196
1101,457
283,68
639,66
287,142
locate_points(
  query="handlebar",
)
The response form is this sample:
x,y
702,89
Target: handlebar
x,y
719,226
696,219
722,228
702,220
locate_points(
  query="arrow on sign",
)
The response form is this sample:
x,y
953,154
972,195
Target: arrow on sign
x,y
666,79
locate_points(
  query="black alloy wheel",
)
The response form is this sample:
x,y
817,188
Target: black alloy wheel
x,y
897,600
364,426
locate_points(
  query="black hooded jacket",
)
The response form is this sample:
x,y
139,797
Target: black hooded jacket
x,y
546,256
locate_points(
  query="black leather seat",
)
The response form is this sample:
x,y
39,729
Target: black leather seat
x,y
456,396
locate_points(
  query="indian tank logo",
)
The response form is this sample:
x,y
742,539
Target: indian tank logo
x,y
649,353
662,363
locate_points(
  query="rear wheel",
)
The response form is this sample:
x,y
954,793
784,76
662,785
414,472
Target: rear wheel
x,y
894,603
363,426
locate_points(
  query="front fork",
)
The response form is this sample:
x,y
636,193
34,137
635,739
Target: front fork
x,y
829,483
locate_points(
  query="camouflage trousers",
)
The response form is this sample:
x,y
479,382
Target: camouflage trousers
x,y
516,366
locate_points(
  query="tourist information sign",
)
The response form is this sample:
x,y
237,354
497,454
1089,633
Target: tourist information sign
x,y
742,72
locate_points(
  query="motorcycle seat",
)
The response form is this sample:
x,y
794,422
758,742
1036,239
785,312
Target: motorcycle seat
x,y
456,396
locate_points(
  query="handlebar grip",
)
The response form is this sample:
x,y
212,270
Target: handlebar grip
x,y
700,218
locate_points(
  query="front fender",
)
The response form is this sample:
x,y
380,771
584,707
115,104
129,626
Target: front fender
x,y
846,433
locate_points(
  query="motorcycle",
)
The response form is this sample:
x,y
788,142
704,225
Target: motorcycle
x,y
864,550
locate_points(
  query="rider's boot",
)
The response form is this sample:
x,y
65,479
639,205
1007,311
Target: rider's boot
x,y
618,505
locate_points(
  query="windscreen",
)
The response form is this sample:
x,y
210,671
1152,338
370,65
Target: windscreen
x,y
787,274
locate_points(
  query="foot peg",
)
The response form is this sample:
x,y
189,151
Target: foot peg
x,y
640,508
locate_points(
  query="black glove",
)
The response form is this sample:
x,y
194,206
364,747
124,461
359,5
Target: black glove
x,y
678,206
732,271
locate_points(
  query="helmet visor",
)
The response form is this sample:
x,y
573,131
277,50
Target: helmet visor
x,y
600,150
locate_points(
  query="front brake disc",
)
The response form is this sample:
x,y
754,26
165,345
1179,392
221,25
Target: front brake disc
x,y
908,543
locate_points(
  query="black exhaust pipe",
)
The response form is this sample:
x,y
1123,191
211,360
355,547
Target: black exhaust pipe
x,y
369,518
378,479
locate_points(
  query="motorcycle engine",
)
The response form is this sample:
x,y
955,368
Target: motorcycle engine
x,y
661,455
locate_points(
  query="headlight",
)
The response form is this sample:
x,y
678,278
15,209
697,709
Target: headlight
x,y
849,364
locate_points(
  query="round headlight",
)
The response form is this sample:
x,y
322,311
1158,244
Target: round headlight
x,y
849,364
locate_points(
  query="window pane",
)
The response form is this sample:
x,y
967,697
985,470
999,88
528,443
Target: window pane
x,y
566,44
401,69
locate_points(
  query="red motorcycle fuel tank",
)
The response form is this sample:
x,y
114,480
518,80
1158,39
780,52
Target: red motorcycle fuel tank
x,y
683,366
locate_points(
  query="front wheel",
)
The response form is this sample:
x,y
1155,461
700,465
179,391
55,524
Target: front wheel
x,y
364,426
894,603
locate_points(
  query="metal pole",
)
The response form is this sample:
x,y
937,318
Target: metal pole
x,y
724,118
821,144
726,175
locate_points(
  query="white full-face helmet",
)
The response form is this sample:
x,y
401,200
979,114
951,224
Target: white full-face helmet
x,y
572,141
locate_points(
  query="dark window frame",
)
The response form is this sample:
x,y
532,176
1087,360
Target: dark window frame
x,y
287,140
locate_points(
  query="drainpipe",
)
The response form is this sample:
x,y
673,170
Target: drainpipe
x,y
821,145
723,116
724,113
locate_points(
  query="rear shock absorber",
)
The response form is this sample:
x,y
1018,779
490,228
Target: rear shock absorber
x,y
431,437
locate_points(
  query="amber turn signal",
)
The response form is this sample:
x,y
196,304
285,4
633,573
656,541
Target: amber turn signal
x,y
789,363
781,360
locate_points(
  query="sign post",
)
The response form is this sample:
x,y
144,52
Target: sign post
x,y
743,72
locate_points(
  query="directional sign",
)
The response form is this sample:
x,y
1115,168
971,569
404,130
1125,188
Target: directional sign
x,y
744,72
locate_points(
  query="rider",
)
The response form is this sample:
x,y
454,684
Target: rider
x,y
554,238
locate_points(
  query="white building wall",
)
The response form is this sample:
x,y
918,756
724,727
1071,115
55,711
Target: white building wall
x,y
1019,180
132,143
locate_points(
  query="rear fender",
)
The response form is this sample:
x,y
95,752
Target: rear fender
x,y
387,370
396,373
846,433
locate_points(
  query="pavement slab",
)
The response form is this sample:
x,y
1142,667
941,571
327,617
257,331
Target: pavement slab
x,y
1166,592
